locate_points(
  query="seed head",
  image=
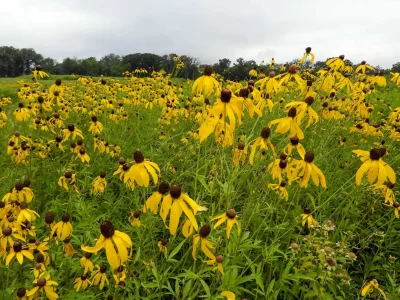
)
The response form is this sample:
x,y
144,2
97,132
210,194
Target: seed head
x,y
41,282
226,95
65,217
231,213
17,246
138,157
309,157
219,259
208,70
307,211
309,100
265,132
292,69
175,191
294,141
19,186
163,188
21,291
7,231
240,146
308,50
49,218
374,154
68,174
292,112
205,231
272,74
107,229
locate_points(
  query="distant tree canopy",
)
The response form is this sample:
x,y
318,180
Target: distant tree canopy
x,y
15,62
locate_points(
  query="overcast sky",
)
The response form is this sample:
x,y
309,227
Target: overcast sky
x,y
206,29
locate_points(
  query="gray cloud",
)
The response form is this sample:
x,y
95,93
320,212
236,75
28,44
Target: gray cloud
x,y
209,30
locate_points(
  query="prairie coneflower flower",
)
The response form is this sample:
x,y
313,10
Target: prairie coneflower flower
x,y
68,248
71,130
84,157
18,251
21,113
67,181
261,143
280,166
135,221
219,259
306,54
206,83
374,167
336,63
99,184
63,229
115,243
21,293
306,169
370,287
22,192
174,204
292,74
99,276
40,265
120,274
26,214
303,109
294,144
8,235
239,155
396,206
387,191
82,282
362,68
95,127
162,245
288,123
43,285
205,244
39,73
231,218
306,218
154,200
86,263
281,187
139,172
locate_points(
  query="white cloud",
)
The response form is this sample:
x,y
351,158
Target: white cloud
x,y
209,30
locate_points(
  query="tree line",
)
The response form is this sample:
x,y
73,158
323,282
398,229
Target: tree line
x,y
15,62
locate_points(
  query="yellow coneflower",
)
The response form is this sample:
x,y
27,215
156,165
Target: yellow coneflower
x,y
281,166
154,200
44,285
306,54
288,123
292,74
281,187
38,246
63,229
303,109
370,286
362,68
49,220
306,169
294,144
115,243
84,157
71,130
95,127
8,235
387,191
39,73
205,244
99,184
67,181
231,219
68,248
239,155
40,266
139,172
135,221
261,143
374,167
174,204
99,277
206,84
21,113
18,251
306,218
162,245
336,63
219,259
86,263
82,282
26,214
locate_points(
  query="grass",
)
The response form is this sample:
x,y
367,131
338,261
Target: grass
x,y
261,262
